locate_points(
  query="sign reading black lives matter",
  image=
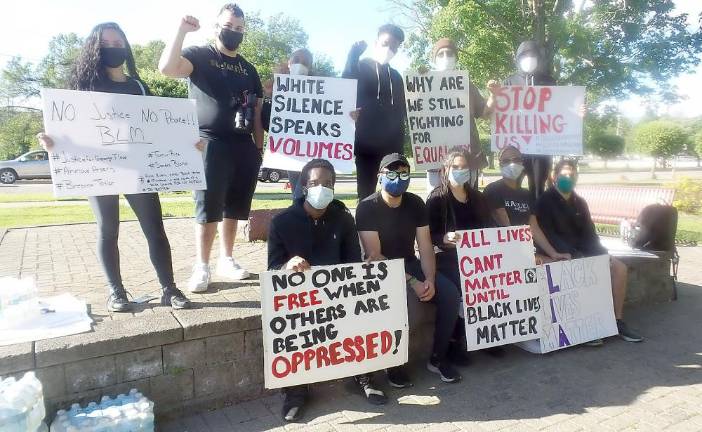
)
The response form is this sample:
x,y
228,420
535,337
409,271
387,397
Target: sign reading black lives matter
x,y
499,285
438,113
310,119
333,322
109,144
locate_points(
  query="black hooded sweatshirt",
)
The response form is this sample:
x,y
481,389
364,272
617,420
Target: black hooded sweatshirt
x,y
381,97
331,239
537,78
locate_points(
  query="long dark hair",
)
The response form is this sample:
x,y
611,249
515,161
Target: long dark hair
x,y
456,152
88,70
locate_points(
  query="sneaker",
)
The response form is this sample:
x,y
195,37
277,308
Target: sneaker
x,y
458,356
118,301
444,369
293,406
397,377
200,279
626,333
228,268
374,395
174,298
594,343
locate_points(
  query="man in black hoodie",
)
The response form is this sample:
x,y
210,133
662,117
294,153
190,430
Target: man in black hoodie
x,y
316,230
381,99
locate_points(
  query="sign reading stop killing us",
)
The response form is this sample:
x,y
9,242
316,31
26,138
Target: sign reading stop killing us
x,y
311,119
539,120
438,114
500,292
109,144
333,322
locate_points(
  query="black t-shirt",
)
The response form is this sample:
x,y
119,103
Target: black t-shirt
x,y
216,82
466,213
130,86
396,227
518,203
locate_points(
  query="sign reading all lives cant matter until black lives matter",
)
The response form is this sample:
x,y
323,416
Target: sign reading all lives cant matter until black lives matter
x,y
310,119
333,321
438,114
539,120
577,300
107,144
499,284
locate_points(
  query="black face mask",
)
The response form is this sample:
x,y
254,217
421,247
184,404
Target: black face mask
x,y
230,39
113,57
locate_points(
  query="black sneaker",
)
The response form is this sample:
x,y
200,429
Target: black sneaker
x,y
444,369
374,395
174,298
118,301
397,377
458,356
293,406
626,333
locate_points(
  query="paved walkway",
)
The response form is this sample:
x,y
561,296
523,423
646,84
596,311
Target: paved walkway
x,y
619,387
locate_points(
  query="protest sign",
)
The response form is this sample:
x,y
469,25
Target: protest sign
x,y
499,286
310,119
544,120
333,321
577,300
107,143
438,113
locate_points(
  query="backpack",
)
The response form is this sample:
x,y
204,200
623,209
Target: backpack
x,y
655,230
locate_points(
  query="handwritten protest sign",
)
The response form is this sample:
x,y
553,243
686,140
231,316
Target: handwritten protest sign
x,y
333,322
310,118
500,290
108,143
578,307
541,120
438,115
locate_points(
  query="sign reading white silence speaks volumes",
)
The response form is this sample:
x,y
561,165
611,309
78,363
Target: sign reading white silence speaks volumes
x,y
332,322
438,114
544,120
500,290
108,144
310,119
577,300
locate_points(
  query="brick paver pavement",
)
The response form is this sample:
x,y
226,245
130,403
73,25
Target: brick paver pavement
x,y
655,385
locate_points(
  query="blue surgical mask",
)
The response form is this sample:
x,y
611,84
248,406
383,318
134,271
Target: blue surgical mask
x,y
394,187
319,196
512,171
459,177
565,184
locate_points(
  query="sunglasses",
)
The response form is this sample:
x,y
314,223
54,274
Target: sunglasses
x,y
392,175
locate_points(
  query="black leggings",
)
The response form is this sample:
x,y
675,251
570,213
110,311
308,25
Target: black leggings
x,y
366,174
147,208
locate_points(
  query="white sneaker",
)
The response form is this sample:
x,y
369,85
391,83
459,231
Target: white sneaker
x,y
200,279
230,269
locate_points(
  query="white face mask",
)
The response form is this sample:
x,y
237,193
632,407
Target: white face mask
x,y
319,197
459,177
299,69
512,171
445,63
528,64
383,54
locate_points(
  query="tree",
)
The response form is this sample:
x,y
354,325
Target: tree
x,y
146,56
697,145
323,66
54,71
660,139
615,48
18,131
18,80
606,146
161,85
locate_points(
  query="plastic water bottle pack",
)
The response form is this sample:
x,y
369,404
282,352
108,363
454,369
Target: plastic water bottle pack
x,y
22,404
132,412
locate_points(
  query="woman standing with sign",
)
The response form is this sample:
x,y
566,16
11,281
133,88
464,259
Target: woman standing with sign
x,y
100,67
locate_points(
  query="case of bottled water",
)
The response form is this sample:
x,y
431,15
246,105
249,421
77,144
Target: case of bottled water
x,y
132,412
22,404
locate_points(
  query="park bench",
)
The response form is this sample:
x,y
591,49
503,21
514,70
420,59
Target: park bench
x,y
613,204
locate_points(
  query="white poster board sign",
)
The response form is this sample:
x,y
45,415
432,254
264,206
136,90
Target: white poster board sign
x,y
438,114
333,321
310,119
108,144
539,120
499,284
577,303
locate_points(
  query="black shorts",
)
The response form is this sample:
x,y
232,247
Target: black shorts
x,y
231,171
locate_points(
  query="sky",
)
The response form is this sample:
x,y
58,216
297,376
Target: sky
x,y
332,27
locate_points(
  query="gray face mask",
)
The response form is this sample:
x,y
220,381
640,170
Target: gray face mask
x,y
512,171
459,177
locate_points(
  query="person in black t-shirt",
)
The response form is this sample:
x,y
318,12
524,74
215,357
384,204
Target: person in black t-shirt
x,y
229,95
389,222
565,219
104,72
512,205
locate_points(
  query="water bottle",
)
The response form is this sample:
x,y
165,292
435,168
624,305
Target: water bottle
x,y
21,404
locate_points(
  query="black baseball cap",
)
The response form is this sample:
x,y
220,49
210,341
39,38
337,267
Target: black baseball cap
x,y
393,158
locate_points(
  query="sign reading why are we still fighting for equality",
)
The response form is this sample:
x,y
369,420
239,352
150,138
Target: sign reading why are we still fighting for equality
x,y
333,321
311,118
544,120
107,144
438,114
499,285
